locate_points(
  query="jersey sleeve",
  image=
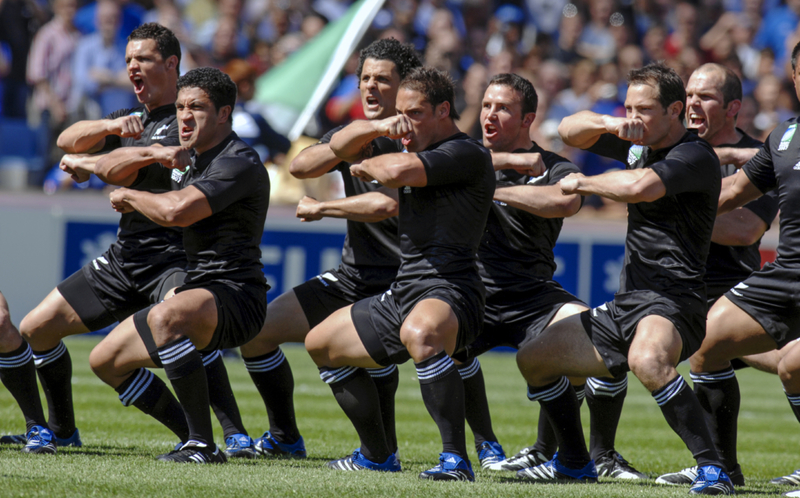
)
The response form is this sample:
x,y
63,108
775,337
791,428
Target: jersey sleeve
x,y
686,169
765,207
760,170
154,178
229,181
609,145
560,170
456,161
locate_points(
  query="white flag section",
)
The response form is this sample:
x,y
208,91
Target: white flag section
x,y
367,10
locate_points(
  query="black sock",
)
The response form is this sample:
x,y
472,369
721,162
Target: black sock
x,y
794,402
150,394
273,378
355,392
475,402
18,374
184,368
546,442
54,367
560,403
718,394
386,381
443,394
223,402
605,397
686,417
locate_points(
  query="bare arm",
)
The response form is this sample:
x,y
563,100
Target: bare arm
x,y
90,136
736,156
736,193
121,166
527,163
179,208
635,185
546,201
740,227
583,129
313,162
352,142
368,208
392,170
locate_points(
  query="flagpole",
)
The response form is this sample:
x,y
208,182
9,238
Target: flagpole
x,y
353,34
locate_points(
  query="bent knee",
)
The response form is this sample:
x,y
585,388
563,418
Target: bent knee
x,y
318,346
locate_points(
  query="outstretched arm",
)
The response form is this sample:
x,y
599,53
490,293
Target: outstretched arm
x,y
313,162
90,136
352,142
392,170
736,193
740,227
635,185
527,163
179,208
368,207
546,201
121,166
734,155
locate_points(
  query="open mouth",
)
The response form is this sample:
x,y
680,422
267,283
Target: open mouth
x,y
186,133
489,130
138,84
372,102
696,120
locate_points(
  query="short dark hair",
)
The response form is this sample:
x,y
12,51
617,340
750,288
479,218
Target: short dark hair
x,y
219,87
665,80
795,51
731,84
403,55
167,43
530,100
435,85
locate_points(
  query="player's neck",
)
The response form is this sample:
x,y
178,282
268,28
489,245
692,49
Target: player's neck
x,y
727,136
672,137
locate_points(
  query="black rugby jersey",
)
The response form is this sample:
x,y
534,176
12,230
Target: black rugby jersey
x,y
517,246
368,244
729,265
667,241
777,166
138,238
441,224
226,245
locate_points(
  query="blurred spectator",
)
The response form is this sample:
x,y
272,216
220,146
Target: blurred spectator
x,y
778,25
685,34
18,21
472,88
653,44
571,28
100,60
228,11
50,69
576,97
546,14
505,30
597,42
629,57
770,113
132,17
248,123
344,104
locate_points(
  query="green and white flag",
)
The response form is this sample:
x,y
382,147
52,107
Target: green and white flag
x,y
304,80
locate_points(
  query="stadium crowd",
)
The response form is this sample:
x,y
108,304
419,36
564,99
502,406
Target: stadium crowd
x,y
63,61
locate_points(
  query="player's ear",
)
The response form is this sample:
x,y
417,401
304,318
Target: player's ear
x,y
224,114
444,110
528,119
675,109
734,106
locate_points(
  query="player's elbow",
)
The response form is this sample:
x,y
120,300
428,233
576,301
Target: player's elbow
x,y
177,214
299,168
65,144
386,208
401,175
569,206
749,234
643,190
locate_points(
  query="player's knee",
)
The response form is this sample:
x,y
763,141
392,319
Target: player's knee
x,y
163,325
30,326
419,341
101,361
787,372
318,348
648,365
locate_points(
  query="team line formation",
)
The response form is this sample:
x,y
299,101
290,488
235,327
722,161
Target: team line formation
x,y
448,254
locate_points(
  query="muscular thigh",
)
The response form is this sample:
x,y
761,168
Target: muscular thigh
x,y
336,343
285,322
52,320
119,354
191,313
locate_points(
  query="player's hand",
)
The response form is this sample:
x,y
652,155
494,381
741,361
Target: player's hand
x,y
308,209
118,202
398,126
357,171
71,164
528,163
175,157
128,126
630,129
571,183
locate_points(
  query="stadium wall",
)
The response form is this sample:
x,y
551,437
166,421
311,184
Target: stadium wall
x,y
45,239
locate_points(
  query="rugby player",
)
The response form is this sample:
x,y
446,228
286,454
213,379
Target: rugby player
x,y
713,100
761,313
516,261
657,317
435,305
370,258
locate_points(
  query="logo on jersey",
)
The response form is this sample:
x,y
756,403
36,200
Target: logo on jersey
x,y
786,139
634,154
501,203
740,286
536,179
797,166
137,113
406,190
386,294
177,175
100,259
160,133
602,307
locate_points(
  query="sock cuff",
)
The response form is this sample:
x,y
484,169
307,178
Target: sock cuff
x,y
673,388
550,391
335,375
46,357
180,358
607,386
434,368
711,377
469,369
580,391
379,373
16,358
794,399
265,362
133,387
210,357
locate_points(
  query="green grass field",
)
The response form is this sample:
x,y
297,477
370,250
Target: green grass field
x,y
120,444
